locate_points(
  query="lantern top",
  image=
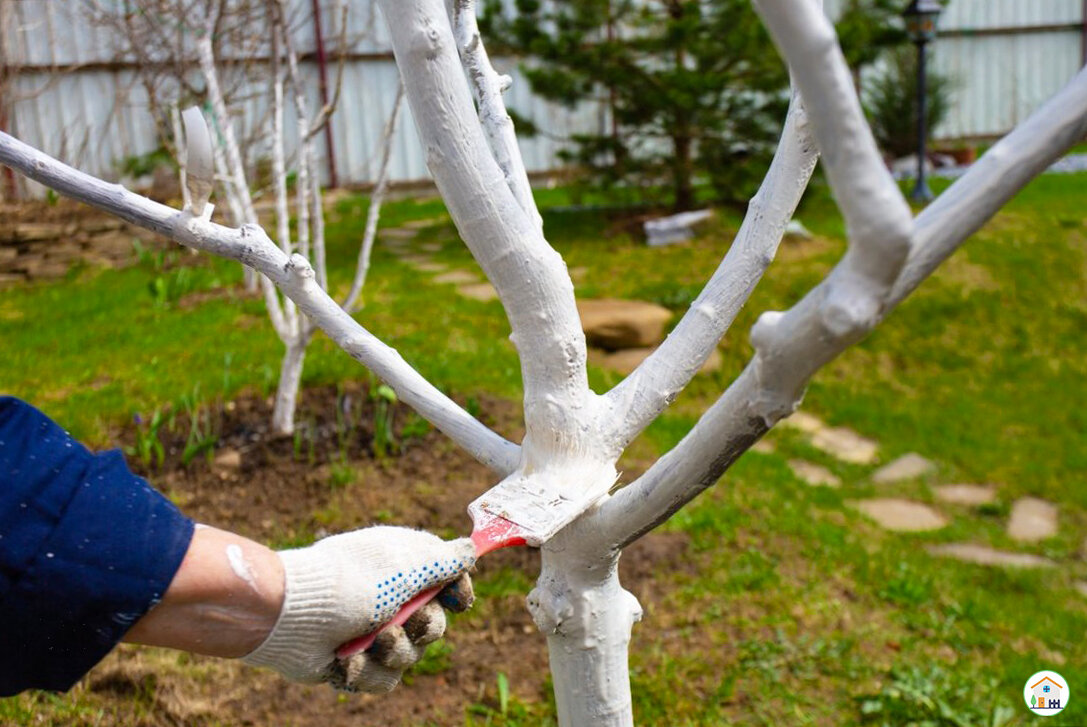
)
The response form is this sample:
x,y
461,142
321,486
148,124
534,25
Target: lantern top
x,y
920,16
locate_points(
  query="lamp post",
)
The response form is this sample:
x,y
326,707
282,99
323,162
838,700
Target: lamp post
x,y
920,16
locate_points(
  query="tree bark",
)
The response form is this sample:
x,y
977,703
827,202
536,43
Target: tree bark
x,y
587,618
290,378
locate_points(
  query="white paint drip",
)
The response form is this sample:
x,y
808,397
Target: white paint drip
x,y
240,566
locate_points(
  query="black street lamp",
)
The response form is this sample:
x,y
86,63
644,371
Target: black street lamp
x,y
920,18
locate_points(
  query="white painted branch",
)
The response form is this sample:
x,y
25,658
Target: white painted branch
x,y
878,220
639,398
993,180
290,379
283,219
225,126
530,277
199,169
377,198
250,246
487,88
750,405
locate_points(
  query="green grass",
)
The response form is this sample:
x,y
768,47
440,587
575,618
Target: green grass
x,y
801,611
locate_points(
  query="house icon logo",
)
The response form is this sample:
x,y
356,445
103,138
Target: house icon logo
x,y
1046,693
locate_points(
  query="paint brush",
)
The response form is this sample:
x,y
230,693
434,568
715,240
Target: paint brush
x,y
517,511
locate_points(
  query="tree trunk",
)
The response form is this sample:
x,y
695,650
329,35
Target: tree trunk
x,y
290,377
682,173
587,617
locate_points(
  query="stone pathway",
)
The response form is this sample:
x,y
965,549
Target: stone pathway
x,y
397,240
1031,519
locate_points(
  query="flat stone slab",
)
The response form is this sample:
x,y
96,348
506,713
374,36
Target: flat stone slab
x,y
814,474
628,359
984,555
397,233
907,467
903,516
845,444
972,495
456,277
1032,520
425,265
431,247
422,224
478,291
1081,586
804,422
613,323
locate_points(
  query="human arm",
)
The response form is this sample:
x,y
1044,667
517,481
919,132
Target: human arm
x,y
289,611
87,550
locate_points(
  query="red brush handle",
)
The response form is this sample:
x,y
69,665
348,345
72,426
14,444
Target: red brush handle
x,y
494,533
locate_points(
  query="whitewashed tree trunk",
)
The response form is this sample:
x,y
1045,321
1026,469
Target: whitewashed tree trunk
x,y
574,436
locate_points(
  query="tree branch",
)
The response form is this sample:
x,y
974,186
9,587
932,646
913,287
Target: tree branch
x,y
994,179
739,417
377,197
530,277
645,393
251,246
487,88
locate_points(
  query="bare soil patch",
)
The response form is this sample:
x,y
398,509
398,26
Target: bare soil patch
x,y
275,490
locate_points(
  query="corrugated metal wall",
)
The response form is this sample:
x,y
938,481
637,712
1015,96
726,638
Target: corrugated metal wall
x,y
1006,58
76,99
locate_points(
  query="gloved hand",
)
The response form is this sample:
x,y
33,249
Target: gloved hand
x,y
346,586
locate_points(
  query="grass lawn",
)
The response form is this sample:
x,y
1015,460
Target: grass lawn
x,y
800,610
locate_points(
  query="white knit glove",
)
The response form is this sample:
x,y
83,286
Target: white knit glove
x,y
347,585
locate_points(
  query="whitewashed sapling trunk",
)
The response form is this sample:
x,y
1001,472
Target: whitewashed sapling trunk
x,y
575,436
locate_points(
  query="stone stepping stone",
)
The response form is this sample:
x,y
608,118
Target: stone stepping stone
x,y
1032,520
617,324
398,233
396,247
422,224
479,291
1081,586
577,274
984,555
814,474
456,277
804,422
907,467
431,247
971,495
903,516
626,360
845,444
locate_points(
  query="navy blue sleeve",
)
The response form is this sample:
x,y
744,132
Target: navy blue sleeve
x,y
86,548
